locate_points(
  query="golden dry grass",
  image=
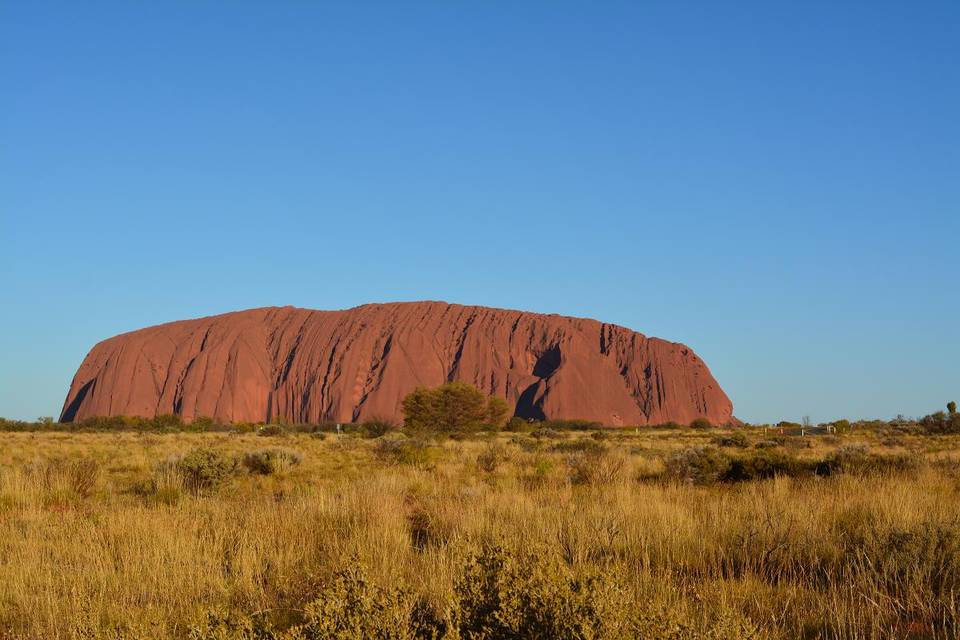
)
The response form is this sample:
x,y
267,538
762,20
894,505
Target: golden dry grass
x,y
97,535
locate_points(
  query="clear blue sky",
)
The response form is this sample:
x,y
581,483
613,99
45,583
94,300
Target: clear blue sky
x,y
775,184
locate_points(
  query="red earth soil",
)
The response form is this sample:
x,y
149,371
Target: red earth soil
x,y
310,366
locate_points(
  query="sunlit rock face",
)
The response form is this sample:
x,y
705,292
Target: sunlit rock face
x,y
304,365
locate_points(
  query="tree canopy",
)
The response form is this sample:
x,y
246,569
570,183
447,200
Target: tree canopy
x,y
453,407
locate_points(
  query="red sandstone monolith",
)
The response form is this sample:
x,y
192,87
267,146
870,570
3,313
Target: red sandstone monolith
x,y
303,365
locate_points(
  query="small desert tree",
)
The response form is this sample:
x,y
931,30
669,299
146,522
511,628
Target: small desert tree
x,y
451,408
952,407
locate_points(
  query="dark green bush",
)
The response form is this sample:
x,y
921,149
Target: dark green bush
x,y
524,425
203,424
768,444
503,595
168,421
544,432
269,461
220,626
941,422
351,606
203,469
737,439
696,465
765,463
841,426
856,458
376,428
499,594
668,425
521,425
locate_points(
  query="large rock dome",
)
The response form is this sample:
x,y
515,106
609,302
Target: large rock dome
x,y
304,365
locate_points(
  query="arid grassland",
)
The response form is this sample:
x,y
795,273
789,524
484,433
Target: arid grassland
x,y
669,533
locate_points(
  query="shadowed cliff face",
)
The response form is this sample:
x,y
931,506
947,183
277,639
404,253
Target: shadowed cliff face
x,y
309,366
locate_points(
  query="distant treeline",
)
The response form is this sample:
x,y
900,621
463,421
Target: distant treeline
x,y
934,423
454,408
173,423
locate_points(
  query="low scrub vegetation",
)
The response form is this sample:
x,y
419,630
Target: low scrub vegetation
x,y
269,461
498,594
706,464
555,533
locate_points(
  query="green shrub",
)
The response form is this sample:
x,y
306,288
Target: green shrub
x,y
377,427
202,469
503,595
696,465
786,424
841,426
517,424
764,463
225,626
499,594
856,458
202,424
768,444
941,422
272,430
20,425
350,606
700,423
736,439
269,461
667,425
166,422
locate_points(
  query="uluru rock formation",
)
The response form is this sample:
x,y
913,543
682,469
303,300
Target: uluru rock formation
x,y
304,365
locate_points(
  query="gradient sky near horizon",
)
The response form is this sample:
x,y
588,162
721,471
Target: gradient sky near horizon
x,y
775,184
